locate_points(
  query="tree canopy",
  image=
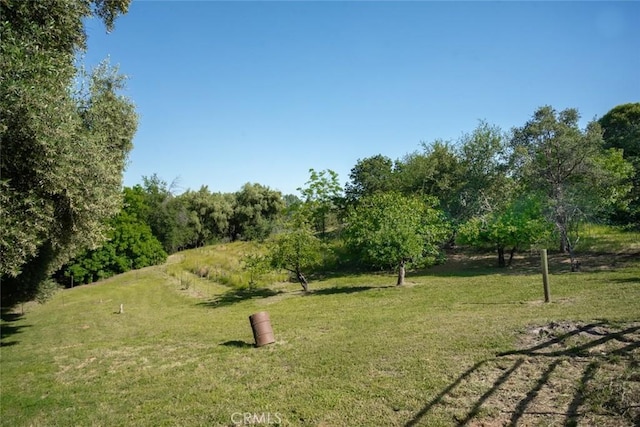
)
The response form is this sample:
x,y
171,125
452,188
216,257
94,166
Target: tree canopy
x,y
256,209
568,167
369,176
296,248
621,130
516,226
389,230
321,196
65,137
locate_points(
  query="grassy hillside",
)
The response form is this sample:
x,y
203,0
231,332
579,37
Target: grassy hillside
x,y
461,344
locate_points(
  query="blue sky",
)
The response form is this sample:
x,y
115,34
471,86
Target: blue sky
x,y
236,92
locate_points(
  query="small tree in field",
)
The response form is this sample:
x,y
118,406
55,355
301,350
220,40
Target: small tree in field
x,y
320,196
296,249
389,230
256,265
520,224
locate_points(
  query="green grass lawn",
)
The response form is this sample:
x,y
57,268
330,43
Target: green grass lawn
x,y
461,344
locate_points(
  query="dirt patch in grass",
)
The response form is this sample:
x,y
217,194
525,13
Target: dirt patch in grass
x,y
560,374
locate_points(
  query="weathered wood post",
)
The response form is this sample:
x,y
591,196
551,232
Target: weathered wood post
x,y
545,275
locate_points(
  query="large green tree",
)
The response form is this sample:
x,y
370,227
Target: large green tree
x,y
486,183
435,172
621,130
390,230
256,209
130,246
321,194
515,226
369,176
570,167
65,137
209,214
167,214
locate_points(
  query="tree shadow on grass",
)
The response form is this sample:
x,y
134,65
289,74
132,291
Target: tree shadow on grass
x,y
632,280
587,349
7,329
237,344
343,290
235,296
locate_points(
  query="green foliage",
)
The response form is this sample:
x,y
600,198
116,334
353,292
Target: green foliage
x,y
388,229
621,130
296,248
485,173
131,245
291,201
436,172
46,291
321,196
256,209
65,137
256,265
209,214
569,167
166,216
621,126
369,176
519,225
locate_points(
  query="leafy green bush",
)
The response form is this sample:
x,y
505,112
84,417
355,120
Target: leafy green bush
x,y
130,246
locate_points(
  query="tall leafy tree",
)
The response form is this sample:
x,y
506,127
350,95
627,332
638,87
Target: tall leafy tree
x,y
169,219
65,137
130,245
321,196
256,209
210,214
390,230
369,176
621,130
484,165
437,172
569,167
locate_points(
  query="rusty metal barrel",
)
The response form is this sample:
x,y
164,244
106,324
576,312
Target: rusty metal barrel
x,y
261,326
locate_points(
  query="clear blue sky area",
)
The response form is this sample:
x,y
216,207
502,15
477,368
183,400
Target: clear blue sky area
x,y
236,92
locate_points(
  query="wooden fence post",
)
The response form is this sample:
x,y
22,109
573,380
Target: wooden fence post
x,y
545,275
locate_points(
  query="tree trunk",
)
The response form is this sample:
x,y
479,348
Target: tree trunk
x,y
511,254
401,272
563,245
560,215
302,280
575,264
501,262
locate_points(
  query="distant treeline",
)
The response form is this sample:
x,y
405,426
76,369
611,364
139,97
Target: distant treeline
x,y
497,190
